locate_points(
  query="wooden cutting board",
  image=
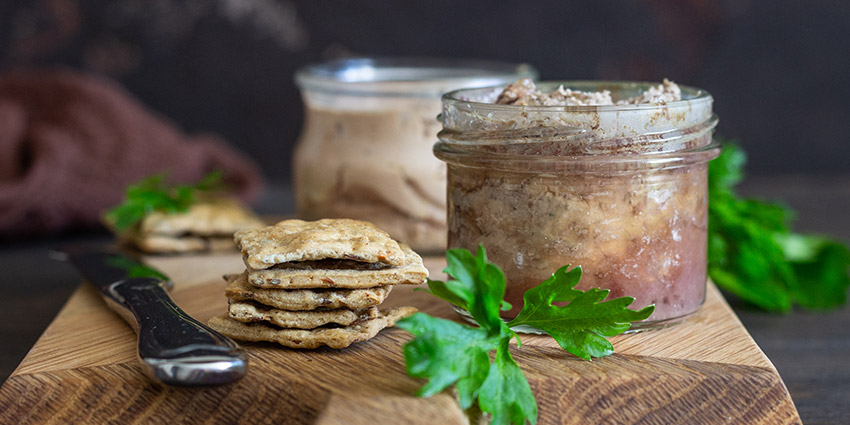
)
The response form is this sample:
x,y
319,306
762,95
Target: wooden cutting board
x,y
83,369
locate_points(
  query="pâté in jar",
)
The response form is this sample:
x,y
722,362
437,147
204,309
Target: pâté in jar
x,y
611,176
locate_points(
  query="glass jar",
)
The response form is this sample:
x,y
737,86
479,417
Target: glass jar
x,y
621,190
365,147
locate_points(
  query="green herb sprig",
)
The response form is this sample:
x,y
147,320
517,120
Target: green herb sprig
x,y
153,194
753,254
449,353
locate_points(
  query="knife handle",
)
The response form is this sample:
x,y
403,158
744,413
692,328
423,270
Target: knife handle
x,y
174,348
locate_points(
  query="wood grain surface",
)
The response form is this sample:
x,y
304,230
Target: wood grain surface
x,y
84,370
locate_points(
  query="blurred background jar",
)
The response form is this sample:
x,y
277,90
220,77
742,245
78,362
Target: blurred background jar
x,y
365,149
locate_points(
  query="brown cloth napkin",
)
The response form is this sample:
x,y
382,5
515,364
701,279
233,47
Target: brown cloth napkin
x,y
70,144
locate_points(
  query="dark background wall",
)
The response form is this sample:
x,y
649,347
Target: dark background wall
x,y
778,69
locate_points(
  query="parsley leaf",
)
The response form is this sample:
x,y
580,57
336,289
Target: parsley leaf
x,y
475,285
449,353
134,269
153,194
505,394
820,266
581,326
753,254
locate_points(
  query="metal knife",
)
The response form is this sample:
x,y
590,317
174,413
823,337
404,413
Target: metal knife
x,y
174,348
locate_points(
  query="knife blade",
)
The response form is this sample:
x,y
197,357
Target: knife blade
x,y
173,347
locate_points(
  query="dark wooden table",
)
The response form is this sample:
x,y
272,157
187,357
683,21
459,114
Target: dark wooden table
x,y
810,350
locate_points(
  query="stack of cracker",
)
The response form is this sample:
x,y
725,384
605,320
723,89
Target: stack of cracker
x,y
207,225
316,283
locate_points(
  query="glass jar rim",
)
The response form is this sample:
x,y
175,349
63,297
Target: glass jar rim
x,y
407,76
478,133
611,164
690,96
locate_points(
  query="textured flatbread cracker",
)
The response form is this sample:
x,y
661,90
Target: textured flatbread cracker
x,y
298,240
208,225
300,338
238,289
206,218
161,244
251,312
412,272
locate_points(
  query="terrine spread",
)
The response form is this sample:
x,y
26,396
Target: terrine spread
x,y
608,176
